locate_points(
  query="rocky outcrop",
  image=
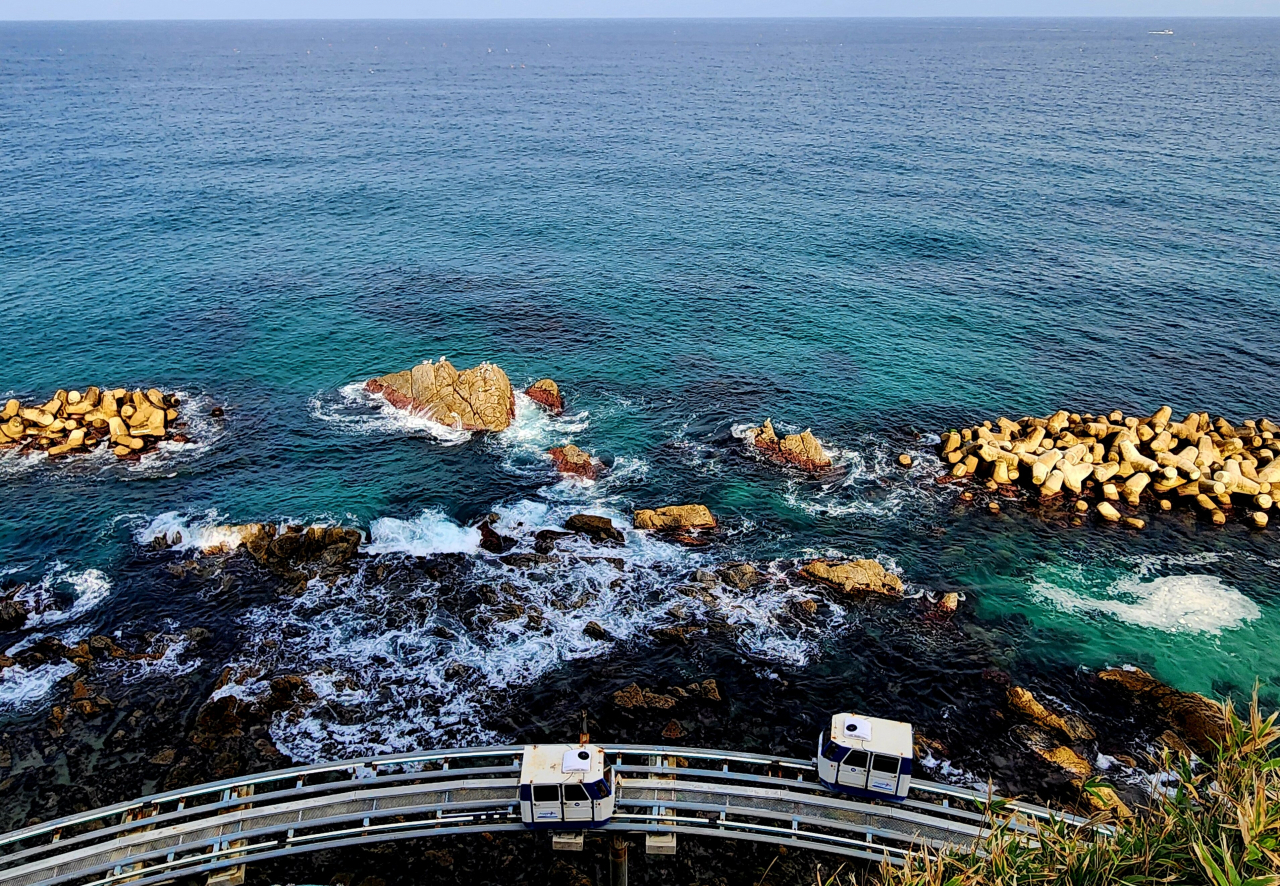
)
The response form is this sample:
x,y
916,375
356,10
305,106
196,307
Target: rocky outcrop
x,y
13,612
569,459
1200,721
1069,726
739,575
284,550
77,422
633,697
798,450
1117,462
596,528
675,518
477,399
853,576
545,392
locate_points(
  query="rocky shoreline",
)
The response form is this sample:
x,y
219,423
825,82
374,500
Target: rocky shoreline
x,y
1050,736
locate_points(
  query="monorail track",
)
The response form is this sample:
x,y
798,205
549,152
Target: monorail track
x,y
215,829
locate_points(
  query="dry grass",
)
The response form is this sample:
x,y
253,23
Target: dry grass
x,y
1219,827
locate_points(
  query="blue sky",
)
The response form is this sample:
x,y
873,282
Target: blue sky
x,y
240,9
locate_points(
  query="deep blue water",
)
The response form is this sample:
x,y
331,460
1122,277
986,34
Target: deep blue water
x,y
877,229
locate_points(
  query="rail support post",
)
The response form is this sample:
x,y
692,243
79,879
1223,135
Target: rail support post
x,y
618,862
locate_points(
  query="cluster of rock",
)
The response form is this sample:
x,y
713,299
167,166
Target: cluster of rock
x,y
1218,467
295,553
1194,725
633,697
476,399
76,422
801,450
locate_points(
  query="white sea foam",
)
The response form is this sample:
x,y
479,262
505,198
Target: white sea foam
x,y
869,483
20,687
86,588
185,532
399,662
1193,603
430,533
532,432
355,410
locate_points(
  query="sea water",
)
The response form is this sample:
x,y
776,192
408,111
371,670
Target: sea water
x,y
876,229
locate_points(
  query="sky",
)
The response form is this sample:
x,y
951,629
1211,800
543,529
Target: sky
x,y
364,9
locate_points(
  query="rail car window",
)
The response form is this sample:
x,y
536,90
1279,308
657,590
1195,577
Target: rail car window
x,y
598,789
856,759
834,752
575,793
546,793
888,765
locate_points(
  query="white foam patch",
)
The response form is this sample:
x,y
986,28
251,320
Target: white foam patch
x,y
1171,603
184,532
532,432
429,534
400,661
870,483
86,588
355,410
21,687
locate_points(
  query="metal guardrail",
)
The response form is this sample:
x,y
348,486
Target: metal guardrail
x,y
223,825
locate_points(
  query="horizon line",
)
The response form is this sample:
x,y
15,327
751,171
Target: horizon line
x,y
686,18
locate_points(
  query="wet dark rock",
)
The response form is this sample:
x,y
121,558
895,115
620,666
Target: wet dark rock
x,y
705,577
535,620
804,608
598,529
596,631
679,634
13,614
456,670
699,592
443,633
216,412
673,730
545,540
527,561
493,541
616,562
740,575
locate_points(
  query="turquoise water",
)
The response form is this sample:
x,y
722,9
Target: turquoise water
x,y
877,229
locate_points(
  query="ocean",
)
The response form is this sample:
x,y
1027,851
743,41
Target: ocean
x,y
877,229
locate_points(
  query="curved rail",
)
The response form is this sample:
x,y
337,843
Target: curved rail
x,y
221,826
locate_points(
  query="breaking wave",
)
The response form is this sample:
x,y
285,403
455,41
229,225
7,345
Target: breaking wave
x,y
21,687
430,534
85,588
355,410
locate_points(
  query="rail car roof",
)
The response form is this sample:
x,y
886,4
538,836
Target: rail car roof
x,y
872,734
561,764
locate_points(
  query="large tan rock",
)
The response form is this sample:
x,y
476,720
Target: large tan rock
x,y
853,576
675,518
477,399
546,392
801,450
